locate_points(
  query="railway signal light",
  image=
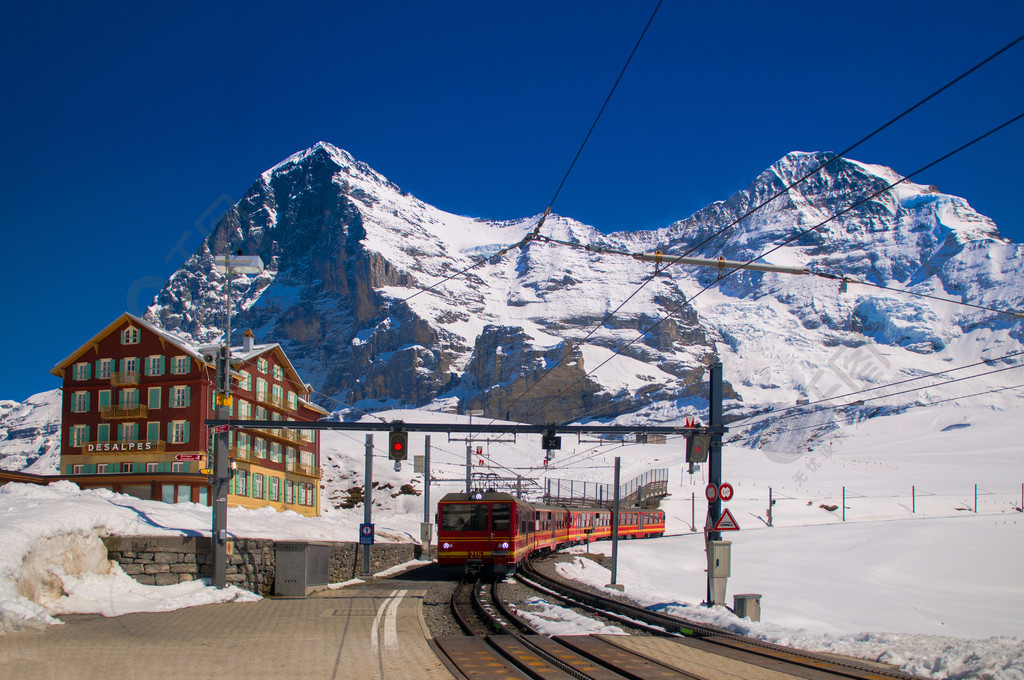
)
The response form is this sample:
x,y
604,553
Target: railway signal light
x,y
398,445
550,441
697,447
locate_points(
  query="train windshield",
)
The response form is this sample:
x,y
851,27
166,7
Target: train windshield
x,y
464,517
501,514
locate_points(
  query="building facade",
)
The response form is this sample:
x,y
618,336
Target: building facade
x,y
135,403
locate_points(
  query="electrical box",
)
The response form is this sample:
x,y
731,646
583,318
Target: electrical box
x,y
720,559
300,566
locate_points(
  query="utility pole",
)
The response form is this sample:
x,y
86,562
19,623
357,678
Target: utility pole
x,y
368,499
615,529
241,264
425,528
718,551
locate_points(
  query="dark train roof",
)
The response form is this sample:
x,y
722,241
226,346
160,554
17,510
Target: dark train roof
x,y
478,496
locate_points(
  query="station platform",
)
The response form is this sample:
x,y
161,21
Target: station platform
x,y
370,632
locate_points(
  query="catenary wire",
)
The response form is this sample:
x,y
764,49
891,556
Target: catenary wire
x,y
770,199
776,413
784,243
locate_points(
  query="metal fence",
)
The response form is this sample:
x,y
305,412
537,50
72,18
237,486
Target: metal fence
x,y
652,484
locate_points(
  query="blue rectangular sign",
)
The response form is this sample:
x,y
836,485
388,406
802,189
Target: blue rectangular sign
x,y
365,534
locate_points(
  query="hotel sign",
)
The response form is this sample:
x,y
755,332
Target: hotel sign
x,y
122,447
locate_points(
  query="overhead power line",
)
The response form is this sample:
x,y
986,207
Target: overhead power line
x,y
775,414
904,407
784,243
761,205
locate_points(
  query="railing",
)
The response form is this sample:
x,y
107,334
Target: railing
x,y
135,446
302,469
290,436
124,378
118,412
650,485
240,454
274,400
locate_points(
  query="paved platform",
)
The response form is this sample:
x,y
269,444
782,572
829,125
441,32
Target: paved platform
x,y
371,632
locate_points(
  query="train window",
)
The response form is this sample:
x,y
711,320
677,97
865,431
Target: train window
x,y
500,514
464,517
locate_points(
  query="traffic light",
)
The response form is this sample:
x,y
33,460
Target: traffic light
x,y
697,446
398,445
551,442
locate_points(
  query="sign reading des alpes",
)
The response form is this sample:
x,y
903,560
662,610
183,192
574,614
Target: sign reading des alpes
x,y
117,447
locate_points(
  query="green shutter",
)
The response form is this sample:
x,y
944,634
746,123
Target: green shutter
x,y
90,469
187,439
188,395
162,368
170,432
87,434
88,371
103,432
104,398
88,398
153,431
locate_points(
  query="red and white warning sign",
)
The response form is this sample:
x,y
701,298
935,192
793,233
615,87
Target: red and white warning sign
x,y
711,493
726,522
725,491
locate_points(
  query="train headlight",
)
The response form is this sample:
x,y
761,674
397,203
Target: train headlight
x,y
503,546
445,546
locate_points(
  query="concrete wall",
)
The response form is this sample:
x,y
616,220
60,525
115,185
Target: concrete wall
x,y
164,560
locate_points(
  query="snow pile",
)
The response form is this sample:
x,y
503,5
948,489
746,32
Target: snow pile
x,y
550,619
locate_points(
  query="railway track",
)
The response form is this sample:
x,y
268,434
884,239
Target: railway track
x,y
713,639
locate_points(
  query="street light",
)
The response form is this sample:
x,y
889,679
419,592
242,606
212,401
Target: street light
x,y
228,265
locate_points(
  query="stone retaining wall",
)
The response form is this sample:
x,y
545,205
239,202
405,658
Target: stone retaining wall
x,y
164,560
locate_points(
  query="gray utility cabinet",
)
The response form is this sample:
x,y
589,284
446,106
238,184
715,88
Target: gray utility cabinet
x,y
301,566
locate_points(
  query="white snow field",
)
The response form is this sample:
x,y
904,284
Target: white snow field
x,y
925,583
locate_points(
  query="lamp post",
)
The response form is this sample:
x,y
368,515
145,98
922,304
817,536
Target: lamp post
x,y
229,265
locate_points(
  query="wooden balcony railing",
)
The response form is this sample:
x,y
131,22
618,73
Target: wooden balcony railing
x,y
124,412
302,469
136,446
273,400
240,454
124,378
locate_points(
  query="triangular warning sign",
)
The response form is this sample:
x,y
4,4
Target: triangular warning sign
x,y
726,522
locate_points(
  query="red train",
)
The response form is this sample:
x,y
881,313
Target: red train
x,y
498,531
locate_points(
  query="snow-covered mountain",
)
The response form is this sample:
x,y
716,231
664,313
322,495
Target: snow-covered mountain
x,y
30,433
365,287
374,295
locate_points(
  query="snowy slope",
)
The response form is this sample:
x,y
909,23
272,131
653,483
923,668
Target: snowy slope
x,y
30,433
898,580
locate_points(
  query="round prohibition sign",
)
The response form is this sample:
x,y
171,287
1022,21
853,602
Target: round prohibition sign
x,y
725,492
711,493
366,529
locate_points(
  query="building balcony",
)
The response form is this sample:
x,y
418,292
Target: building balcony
x,y
241,454
117,448
302,469
275,401
124,378
124,412
289,436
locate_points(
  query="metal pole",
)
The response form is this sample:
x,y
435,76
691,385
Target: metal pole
x,y
913,499
615,526
844,503
221,473
975,499
368,499
427,526
693,511
714,465
771,504
469,467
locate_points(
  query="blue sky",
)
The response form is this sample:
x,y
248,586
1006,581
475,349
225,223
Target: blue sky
x,y
127,132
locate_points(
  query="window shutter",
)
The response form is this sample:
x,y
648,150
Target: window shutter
x,y
146,361
88,398
88,371
187,439
153,431
104,398
188,395
170,432
87,434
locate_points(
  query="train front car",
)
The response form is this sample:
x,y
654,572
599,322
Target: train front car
x,y
482,531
